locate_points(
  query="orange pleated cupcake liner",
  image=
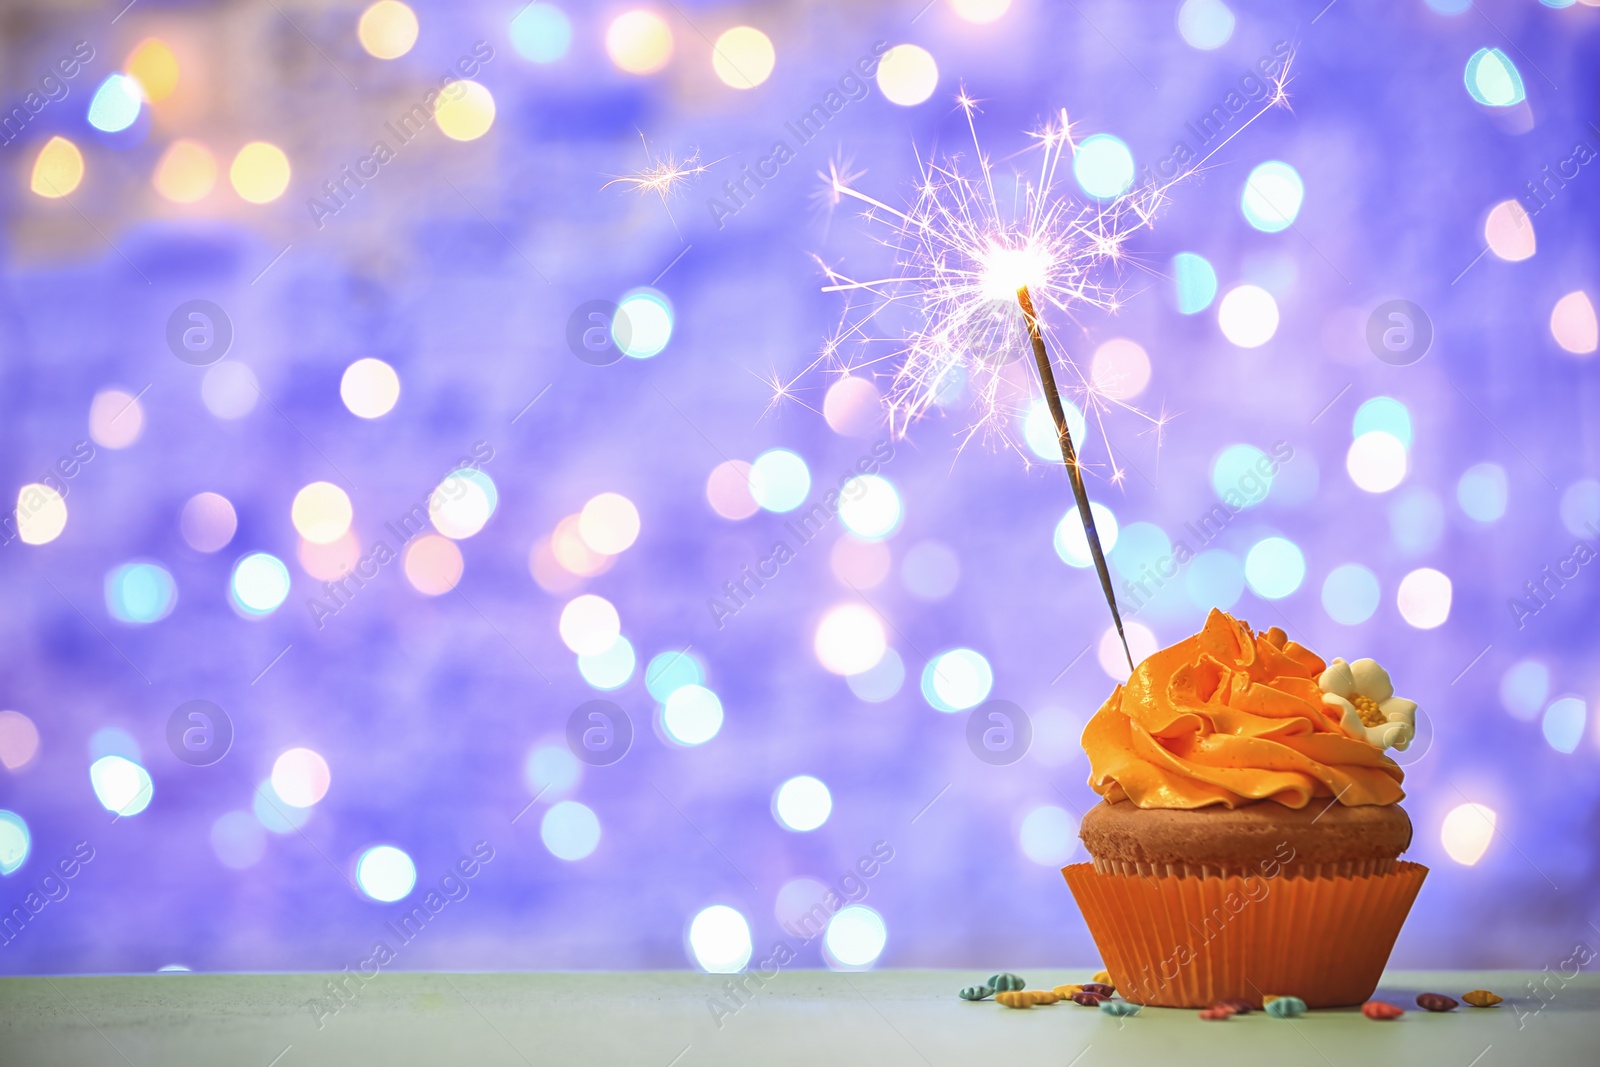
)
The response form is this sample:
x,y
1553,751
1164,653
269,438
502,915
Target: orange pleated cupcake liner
x,y
1185,942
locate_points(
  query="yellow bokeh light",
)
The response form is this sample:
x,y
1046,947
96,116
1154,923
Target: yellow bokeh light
x,y
743,57
548,571
1573,325
335,559
387,29
321,513
465,111
907,75
980,11
1467,832
58,170
41,514
570,550
154,67
609,524
260,172
187,172
639,42
1509,231
433,564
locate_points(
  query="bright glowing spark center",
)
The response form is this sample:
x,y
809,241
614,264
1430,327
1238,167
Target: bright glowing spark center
x,y
1005,270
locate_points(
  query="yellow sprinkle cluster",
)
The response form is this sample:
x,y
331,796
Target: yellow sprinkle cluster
x,y
1026,998
1067,990
1481,998
1368,708
1103,977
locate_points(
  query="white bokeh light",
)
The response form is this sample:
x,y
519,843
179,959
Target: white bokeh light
x,y
870,507
1109,652
370,388
300,777
779,480
719,940
850,639
1424,598
855,937
386,874
957,680
691,715
570,830
1376,461
802,803
589,625
1048,836
1467,832
1248,316
121,785
461,504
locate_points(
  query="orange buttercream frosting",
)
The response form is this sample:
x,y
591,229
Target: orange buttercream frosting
x,y
1230,717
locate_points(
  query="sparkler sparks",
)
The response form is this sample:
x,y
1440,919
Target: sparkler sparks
x,y
663,175
982,259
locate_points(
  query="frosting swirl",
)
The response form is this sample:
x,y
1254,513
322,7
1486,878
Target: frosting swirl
x,y
1231,717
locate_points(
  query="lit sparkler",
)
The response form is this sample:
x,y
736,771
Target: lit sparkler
x,y
976,266
663,175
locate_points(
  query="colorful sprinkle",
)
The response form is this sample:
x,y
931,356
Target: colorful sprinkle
x,y
1377,1009
1102,978
1088,999
1026,998
1221,1011
1004,982
1436,1002
1068,990
1239,1005
1119,1007
1098,987
1285,1007
1481,998
976,992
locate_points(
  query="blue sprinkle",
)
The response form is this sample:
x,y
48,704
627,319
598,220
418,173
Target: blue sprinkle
x,y
1286,1008
1119,1007
1004,982
976,992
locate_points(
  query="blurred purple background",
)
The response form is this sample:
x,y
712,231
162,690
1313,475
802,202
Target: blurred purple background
x,y
431,712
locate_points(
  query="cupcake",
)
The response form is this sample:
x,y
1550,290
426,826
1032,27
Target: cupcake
x,y
1249,837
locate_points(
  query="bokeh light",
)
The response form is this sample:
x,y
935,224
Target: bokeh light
x,y
853,406
300,777
1493,80
570,830
1214,579
15,844
187,172
541,33
1109,652
1350,594
1272,196
1274,567
115,105
719,940
855,937
1237,475
881,681
1482,491
116,418
1248,316
465,110
1071,541
1376,461
573,553
609,523
1563,723
57,169
1467,832
153,64
980,12
1048,836
1573,324
639,42
330,561
386,874
802,804
589,624
1194,281
1580,507
907,75
1383,413
274,815
387,29
121,785
1120,369
237,840
370,388
1424,598
743,57
321,512
609,669
41,513
849,639
260,172
229,390
957,680
19,740
1508,230
461,504
1205,24
642,325
1524,688
140,593
669,671
728,490
1039,428
870,507
860,564
259,585
1103,166
551,771
691,715
779,480
208,522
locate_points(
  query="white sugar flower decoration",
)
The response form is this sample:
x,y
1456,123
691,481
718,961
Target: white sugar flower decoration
x,y
1368,709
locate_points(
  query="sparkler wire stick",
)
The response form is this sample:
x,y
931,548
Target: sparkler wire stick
x,y
1069,456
